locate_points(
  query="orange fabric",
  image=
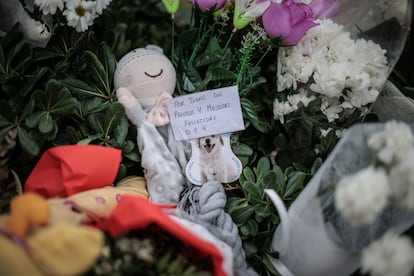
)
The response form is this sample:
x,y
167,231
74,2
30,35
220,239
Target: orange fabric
x,y
66,170
26,210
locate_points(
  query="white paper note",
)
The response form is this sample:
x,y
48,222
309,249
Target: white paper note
x,y
206,113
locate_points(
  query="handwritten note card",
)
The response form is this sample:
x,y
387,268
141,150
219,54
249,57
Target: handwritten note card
x,y
206,113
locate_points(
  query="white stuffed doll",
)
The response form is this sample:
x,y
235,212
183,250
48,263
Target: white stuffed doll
x,y
145,80
12,12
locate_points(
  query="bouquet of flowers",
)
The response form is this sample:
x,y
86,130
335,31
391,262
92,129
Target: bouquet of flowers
x,y
306,70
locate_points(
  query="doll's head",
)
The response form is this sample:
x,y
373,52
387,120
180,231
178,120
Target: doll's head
x,y
146,72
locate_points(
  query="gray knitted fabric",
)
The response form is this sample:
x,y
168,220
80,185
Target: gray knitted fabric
x,y
205,205
391,104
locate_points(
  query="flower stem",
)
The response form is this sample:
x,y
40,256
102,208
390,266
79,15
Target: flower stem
x,y
263,56
200,40
229,40
172,37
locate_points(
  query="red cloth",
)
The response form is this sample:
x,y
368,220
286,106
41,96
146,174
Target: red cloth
x,y
66,170
135,212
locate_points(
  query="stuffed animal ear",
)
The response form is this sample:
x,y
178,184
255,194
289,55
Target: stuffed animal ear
x,y
66,249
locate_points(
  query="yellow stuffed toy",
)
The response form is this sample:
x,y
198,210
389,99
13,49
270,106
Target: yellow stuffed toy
x,y
31,246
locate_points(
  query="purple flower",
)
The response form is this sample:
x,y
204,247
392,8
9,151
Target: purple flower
x,y
288,20
324,8
206,5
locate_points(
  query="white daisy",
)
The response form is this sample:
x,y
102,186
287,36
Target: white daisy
x,y
79,14
49,6
100,5
390,255
362,196
280,109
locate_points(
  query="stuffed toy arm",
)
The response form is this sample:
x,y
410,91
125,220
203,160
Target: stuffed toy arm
x,y
133,108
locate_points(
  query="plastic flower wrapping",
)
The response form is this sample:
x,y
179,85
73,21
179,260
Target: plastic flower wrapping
x,y
321,191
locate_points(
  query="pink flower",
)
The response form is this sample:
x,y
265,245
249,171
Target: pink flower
x,y
206,5
288,20
324,8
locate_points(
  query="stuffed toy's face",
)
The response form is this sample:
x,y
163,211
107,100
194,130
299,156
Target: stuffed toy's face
x,y
147,77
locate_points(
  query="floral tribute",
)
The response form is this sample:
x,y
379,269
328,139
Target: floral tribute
x,y
302,78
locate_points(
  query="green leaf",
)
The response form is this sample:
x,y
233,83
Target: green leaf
x,y
263,210
92,105
32,79
187,39
83,89
248,174
28,109
220,74
33,120
242,149
234,201
262,169
113,116
96,121
250,112
121,130
128,146
108,60
250,228
269,180
132,155
27,142
295,183
97,70
269,266
241,213
316,165
46,123
252,190
280,182
56,99
7,112
192,79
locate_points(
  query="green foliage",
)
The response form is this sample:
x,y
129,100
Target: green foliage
x,y
74,104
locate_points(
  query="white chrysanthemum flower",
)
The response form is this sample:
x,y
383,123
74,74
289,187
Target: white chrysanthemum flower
x,y
390,255
292,104
402,177
362,196
393,142
325,132
331,108
49,6
280,109
295,99
343,69
100,5
79,14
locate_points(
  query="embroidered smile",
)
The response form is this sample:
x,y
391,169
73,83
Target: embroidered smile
x,y
153,76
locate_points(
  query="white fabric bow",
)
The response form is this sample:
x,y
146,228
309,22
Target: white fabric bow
x,y
158,115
